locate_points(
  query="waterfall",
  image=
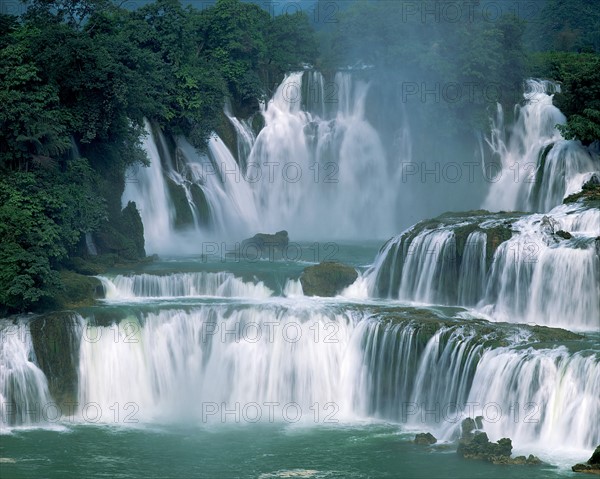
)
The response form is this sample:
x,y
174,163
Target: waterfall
x,y
428,268
323,150
230,364
218,357
471,276
178,285
190,198
24,396
300,173
536,278
318,363
146,186
525,278
538,167
539,396
245,137
407,369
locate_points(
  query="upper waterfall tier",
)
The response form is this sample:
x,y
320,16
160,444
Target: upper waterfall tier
x,y
538,167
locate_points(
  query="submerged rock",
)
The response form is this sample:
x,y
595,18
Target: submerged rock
x,y
425,439
592,466
327,278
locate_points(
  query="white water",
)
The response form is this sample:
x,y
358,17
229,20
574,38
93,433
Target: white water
x,y
146,186
24,396
545,398
529,276
472,272
520,148
321,158
182,363
301,173
177,285
427,267
536,278
228,199
223,364
227,363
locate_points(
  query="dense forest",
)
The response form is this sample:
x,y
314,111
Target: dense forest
x,y
78,77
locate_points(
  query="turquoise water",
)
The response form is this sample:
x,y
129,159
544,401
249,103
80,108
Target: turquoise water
x,y
164,447
258,451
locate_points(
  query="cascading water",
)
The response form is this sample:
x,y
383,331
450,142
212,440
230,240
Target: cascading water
x,y
209,187
23,386
300,173
201,364
216,358
204,347
180,285
538,167
321,157
540,396
525,278
147,188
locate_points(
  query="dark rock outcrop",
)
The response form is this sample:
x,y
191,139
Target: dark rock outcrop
x,y
474,444
425,439
124,236
592,466
55,339
564,234
327,278
78,290
589,194
266,245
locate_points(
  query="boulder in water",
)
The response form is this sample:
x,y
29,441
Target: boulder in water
x,y
564,234
266,245
327,278
425,439
592,466
475,444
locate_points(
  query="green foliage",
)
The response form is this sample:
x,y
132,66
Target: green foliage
x,y
43,214
579,99
566,26
83,75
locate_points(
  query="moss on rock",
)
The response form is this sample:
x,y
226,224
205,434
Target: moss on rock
x,y
425,439
589,194
327,278
125,237
183,212
78,290
55,339
202,206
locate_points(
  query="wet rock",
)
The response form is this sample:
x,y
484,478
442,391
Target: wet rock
x,y
266,245
425,439
327,278
564,234
592,466
55,339
78,290
476,445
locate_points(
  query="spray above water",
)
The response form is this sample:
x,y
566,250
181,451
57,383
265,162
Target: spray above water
x,y
318,169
